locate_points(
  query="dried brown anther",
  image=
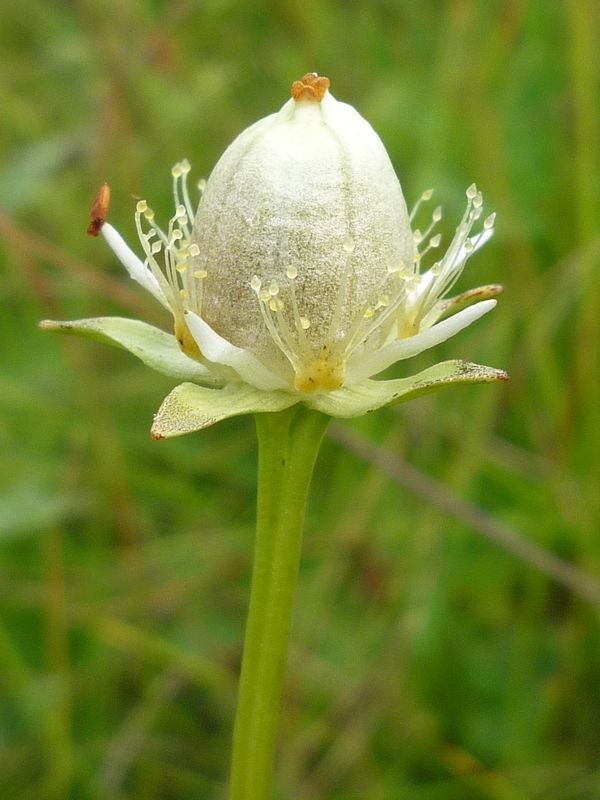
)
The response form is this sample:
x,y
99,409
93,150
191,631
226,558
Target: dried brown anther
x,y
99,210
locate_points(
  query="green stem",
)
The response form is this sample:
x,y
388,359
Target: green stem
x,y
288,445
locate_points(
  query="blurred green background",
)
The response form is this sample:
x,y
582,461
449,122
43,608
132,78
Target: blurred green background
x,y
427,662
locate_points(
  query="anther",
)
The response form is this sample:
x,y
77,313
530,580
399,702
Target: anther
x,y
348,245
99,210
255,283
489,221
292,272
471,192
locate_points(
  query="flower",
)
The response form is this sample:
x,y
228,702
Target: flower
x,y
298,278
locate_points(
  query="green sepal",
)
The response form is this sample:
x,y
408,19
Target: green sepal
x,y
191,408
157,349
370,395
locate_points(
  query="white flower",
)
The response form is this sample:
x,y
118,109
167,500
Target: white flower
x,y
299,277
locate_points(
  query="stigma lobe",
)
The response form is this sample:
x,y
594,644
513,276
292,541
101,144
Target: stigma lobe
x,y
310,87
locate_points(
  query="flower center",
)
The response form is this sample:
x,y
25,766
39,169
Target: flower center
x,y
406,302
325,370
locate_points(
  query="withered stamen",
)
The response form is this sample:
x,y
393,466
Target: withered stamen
x,y
99,210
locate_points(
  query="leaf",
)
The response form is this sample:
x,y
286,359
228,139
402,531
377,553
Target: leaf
x,y
191,408
157,349
369,395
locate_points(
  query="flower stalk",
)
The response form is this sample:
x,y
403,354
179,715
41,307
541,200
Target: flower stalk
x,y
289,442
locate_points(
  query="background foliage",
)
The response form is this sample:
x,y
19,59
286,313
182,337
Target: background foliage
x,y
428,663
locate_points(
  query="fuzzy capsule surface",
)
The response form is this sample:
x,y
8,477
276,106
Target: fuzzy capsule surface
x,y
309,189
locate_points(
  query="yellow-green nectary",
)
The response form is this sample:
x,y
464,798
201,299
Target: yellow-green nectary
x,y
308,192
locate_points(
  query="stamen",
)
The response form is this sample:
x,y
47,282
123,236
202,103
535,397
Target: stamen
x,y
435,218
348,245
342,294
424,198
432,244
444,274
299,322
397,269
181,285
99,210
265,299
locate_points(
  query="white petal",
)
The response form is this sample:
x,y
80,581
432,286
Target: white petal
x,y
136,268
219,351
369,363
